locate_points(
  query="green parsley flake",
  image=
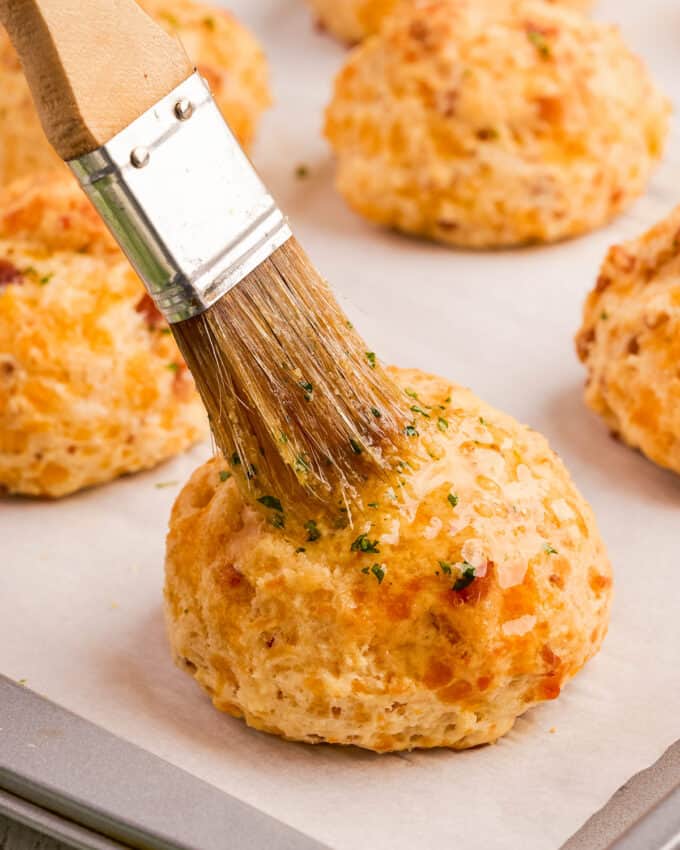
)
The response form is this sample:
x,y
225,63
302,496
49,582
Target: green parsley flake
x,y
283,438
487,134
301,464
225,475
312,530
549,549
442,423
453,499
445,567
45,279
412,394
209,23
415,409
410,431
539,41
370,356
308,388
356,447
363,544
277,520
373,505
270,502
604,315
173,367
235,459
161,485
376,413
378,572
466,578
300,549
302,171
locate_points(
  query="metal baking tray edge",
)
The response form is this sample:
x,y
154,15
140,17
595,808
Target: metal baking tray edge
x,y
55,761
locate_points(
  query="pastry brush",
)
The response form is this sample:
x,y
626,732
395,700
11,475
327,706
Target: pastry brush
x,y
295,399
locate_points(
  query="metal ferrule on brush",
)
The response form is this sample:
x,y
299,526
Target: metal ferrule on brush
x,y
183,201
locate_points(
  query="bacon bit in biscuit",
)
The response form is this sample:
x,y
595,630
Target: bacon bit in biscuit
x,y
211,75
584,342
419,30
553,661
437,674
183,383
447,102
550,687
442,624
550,109
473,593
598,582
456,691
622,259
147,308
487,134
9,273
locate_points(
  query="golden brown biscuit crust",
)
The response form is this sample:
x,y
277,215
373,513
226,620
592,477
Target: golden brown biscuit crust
x,y
630,342
356,635
483,130
92,384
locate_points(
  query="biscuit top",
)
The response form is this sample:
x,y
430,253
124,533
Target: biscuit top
x,y
523,74
484,543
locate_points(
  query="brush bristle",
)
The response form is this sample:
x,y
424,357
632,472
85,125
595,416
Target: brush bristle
x,y
295,399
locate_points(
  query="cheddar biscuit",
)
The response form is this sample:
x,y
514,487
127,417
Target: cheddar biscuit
x,y
630,342
226,53
92,385
353,20
470,589
485,130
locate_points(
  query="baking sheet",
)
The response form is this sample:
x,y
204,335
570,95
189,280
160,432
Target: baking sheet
x,y
80,582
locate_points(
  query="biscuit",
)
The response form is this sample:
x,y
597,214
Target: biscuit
x,y
630,342
353,20
483,130
92,385
227,55
442,615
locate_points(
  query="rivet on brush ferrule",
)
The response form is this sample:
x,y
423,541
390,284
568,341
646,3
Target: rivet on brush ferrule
x,y
139,157
183,201
184,109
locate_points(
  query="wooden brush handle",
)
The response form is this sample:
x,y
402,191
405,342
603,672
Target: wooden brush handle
x,y
93,66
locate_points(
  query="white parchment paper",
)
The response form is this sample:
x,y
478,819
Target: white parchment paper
x,y
80,579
